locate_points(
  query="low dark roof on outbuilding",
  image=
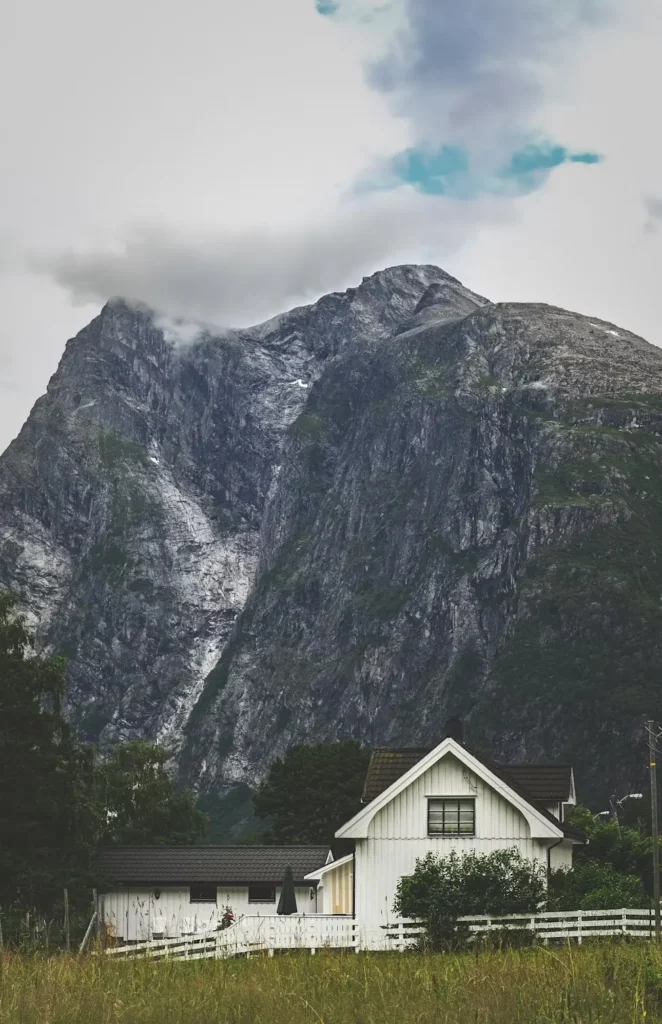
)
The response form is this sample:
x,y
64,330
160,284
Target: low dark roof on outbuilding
x,y
226,865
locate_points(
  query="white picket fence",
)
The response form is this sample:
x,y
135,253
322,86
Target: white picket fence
x,y
554,924
326,931
252,935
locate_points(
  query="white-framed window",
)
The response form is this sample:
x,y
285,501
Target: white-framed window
x,y
202,892
451,816
261,893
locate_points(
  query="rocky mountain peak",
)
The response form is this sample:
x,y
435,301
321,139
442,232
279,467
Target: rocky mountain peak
x,y
396,504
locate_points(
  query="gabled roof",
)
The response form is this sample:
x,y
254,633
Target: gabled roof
x,y
386,765
413,762
332,865
544,783
225,865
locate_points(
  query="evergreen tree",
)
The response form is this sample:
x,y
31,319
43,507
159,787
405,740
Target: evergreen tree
x,y
47,813
139,802
312,791
57,806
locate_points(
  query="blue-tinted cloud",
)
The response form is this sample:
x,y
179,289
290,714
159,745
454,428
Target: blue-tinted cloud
x,y
473,72
464,70
530,167
448,171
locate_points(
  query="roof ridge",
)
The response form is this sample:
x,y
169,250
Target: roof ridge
x,y
223,846
383,774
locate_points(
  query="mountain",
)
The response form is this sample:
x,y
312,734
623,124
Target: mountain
x,y
399,503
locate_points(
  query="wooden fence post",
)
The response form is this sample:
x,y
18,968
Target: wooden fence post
x,y
579,927
67,933
86,937
102,917
95,908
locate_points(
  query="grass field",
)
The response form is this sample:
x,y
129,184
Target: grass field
x,y
593,984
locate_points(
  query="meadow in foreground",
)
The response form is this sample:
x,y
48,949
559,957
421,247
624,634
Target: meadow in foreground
x,y
593,984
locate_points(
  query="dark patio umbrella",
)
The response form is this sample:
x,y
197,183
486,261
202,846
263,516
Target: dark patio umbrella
x,y
287,904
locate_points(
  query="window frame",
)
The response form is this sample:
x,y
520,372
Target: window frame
x,y
203,899
265,887
451,800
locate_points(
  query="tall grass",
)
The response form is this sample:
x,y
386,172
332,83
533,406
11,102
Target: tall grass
x,y
593,984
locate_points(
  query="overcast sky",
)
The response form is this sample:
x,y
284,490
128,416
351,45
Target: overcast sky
x,y
225,161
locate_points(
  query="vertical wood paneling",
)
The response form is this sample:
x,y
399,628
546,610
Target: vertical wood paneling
x,y
135,914
397,835
336,892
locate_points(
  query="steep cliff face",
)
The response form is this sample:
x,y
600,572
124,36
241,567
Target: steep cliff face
x,y
394,505
468,522
132,501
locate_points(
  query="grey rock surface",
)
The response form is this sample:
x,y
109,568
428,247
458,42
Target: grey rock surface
x,y
399,503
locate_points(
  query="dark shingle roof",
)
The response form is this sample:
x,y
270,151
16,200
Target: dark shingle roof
x,y
537,783
226,865
549,783
386,766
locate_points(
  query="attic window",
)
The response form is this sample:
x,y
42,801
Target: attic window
x,y
203,893
261,893
451,817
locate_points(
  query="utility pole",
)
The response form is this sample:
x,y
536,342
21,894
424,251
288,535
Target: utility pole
x,y
652,737
67,931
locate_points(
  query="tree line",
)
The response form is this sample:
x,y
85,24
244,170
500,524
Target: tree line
x,y
60,800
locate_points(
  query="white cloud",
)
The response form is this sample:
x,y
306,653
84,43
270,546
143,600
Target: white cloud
x,y
232,133
580,242
476,72
237,278
653,208
204,117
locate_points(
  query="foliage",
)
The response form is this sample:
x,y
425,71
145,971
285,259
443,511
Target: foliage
x,y
441,889
635,812
587,652
626,850
140,802
603,982
56,804
612,870
312,791
590,885
46,807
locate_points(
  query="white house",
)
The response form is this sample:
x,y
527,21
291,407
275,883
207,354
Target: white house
x,y
416,801
449,798
156,891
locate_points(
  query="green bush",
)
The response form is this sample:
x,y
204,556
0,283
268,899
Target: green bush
x,y
626,849
591,885
442,889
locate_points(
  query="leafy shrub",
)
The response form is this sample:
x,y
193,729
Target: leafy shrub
x,y
590,885
442,889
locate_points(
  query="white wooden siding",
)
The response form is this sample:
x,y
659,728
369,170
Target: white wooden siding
x,y
397,835
135,914
561,856
405,817
336,891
